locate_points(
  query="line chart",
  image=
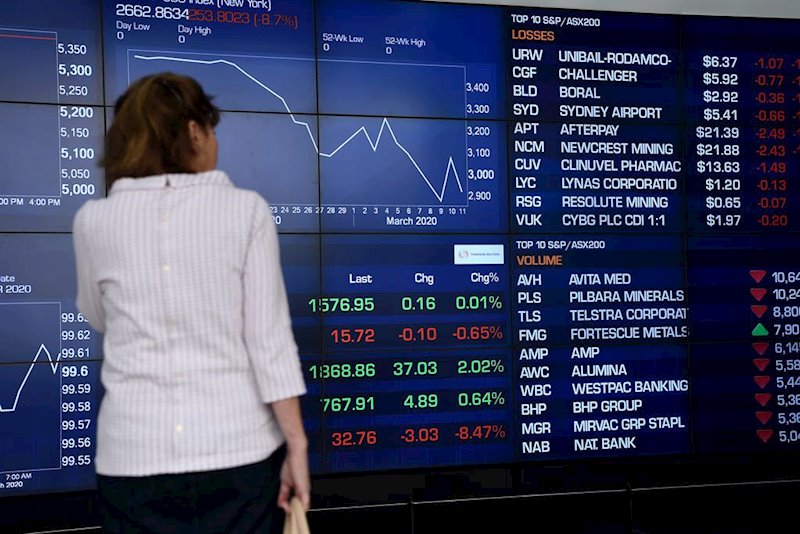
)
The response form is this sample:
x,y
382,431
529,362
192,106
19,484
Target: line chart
x,y
385,124
378,169
451,166
30,396
288,75
31,58
53,365
348,172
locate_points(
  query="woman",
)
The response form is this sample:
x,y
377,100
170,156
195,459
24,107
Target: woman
x,y
199,427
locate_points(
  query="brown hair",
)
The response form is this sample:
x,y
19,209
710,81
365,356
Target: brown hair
x,y
150,134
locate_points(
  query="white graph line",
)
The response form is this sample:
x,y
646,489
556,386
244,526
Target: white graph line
x,y
363,130
53,366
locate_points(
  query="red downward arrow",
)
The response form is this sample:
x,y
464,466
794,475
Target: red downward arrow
x,y
761,347
763,398
758,310
758,293
758,275
761,363
765,434
761,380
764,417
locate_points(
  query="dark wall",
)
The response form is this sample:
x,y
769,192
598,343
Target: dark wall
x,y
704,496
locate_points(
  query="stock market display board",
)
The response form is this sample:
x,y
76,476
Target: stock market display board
x,y
508,234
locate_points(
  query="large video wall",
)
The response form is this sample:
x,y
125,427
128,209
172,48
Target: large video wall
x,y
509,235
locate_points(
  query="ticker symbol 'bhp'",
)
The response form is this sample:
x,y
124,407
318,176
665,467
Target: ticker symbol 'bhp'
x,y
761,380
758,275
765,434
761,363
758,293
761,347
763,398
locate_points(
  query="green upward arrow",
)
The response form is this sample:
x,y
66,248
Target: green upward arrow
x,y
759,330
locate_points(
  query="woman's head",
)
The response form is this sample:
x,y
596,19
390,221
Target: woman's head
x,y
163,123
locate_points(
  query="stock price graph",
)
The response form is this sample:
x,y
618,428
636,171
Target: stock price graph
x,y
401,183
49,370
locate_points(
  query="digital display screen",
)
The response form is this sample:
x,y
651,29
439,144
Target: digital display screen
x,y
509,235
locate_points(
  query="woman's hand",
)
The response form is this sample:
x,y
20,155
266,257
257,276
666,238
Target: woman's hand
x,y
295,478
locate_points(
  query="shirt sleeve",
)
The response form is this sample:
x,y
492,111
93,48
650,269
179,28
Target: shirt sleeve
x,y
268,331
89,299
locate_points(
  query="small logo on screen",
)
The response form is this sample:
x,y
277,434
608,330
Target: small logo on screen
x,y
478,255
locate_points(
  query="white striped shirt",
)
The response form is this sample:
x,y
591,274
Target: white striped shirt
x,y
182,274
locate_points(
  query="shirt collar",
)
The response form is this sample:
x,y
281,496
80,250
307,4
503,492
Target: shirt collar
x,y
215,177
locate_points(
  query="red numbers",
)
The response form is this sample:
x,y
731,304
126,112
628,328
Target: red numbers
x,y
420,435
354,438
423,333
346,336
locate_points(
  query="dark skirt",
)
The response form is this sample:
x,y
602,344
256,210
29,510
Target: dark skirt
x,y
240,500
